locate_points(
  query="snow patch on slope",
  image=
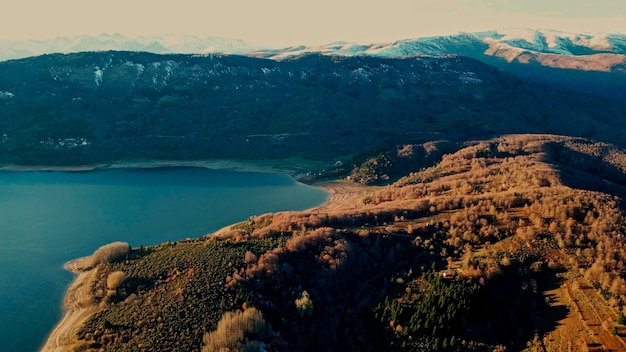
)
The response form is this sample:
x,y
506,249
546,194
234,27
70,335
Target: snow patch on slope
x,y
163,71
470,78
98,73
6,95
139,67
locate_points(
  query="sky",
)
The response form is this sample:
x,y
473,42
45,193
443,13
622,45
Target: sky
x,y
295,22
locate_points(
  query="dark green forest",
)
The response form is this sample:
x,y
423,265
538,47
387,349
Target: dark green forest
x,y
91,108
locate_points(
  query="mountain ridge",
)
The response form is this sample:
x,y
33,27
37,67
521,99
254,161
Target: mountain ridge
x,y
589,63
540,41
537,41
580,62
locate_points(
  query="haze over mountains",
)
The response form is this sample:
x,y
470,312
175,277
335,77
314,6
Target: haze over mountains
x,y
165,44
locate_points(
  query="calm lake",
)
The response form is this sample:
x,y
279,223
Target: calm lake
x,y
49,218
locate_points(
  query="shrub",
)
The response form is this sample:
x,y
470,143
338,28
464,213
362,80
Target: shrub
x,y
304,305
250,258
238,331
115,279
110,253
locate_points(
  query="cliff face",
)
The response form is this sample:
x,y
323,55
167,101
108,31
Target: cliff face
x,y
92,107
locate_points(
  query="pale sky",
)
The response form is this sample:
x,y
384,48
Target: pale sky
x,y
293,22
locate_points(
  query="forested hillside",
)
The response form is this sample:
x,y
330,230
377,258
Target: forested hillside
x,y
90,108
505,244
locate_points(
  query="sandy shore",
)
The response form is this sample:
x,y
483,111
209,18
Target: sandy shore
x,y
78,305
343,195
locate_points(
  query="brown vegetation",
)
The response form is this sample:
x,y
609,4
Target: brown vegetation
x,y
460,255
604,62
110,253
115,279
238,331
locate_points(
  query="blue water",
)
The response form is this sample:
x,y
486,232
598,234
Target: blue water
x,y
49,218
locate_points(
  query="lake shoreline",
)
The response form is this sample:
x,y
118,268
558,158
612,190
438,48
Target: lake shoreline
x,y
78,302
293,166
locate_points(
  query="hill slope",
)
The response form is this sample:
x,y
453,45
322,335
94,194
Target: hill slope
x,y
502,244
90,108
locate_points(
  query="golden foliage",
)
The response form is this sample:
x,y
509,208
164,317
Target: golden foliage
x,y
513,204
115,279
110,252
238,331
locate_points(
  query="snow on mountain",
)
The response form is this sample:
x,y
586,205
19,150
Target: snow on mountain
x,y
544,41
600,52
6,95
556,42
588,52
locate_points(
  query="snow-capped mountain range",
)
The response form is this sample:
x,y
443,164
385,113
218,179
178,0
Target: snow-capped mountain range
x,y
492,42
544,47
591,63
588,63
505,45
